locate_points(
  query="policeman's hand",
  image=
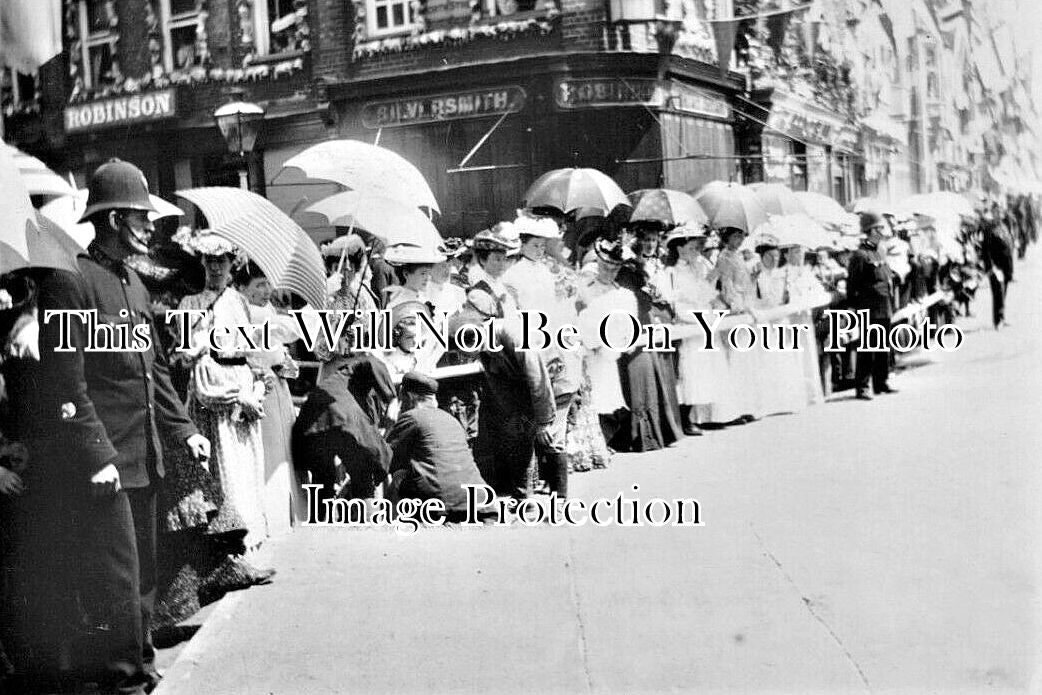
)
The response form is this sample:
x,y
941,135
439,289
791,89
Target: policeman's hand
x,y
544,436
199,447
10,483
105,482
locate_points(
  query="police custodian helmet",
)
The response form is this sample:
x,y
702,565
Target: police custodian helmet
x,y
117,185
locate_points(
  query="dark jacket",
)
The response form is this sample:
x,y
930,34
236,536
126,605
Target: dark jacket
x,y
868,283
431,447
331,423
997,248
97,408
518,383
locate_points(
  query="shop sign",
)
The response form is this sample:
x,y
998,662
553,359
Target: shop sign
x,y
443,107
611,91
126,110
690,100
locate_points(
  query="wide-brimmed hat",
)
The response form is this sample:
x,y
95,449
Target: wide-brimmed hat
x,y
203,242
412,254
542,227
407,310
686,232
612,251
453,247
501,237
420,384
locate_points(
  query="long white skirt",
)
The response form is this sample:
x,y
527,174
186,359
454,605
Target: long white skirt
x,y
605,384
705,382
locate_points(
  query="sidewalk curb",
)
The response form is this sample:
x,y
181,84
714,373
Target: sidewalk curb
x,y
179,676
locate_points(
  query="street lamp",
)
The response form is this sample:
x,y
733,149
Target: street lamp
x,y
239,123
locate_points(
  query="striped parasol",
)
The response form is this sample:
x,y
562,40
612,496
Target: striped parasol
x,y
267,235
37,178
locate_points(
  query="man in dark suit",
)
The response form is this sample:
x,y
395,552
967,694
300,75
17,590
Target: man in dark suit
x,y
869,288
997,255
104,417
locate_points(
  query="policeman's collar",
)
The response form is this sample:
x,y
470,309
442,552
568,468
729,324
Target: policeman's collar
x,y
106,260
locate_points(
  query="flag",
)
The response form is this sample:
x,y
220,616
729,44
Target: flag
x,y
777,24
724,32
30,33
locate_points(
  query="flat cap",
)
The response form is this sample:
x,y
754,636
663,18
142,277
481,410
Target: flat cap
x,y
420,384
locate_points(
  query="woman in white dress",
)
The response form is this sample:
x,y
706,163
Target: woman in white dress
x,y
804,288
784,392
738,291
281,504
704,386
599,296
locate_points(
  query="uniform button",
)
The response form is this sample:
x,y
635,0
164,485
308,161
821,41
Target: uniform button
x,y
148,377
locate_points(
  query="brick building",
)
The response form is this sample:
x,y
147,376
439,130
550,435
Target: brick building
x,y
483,95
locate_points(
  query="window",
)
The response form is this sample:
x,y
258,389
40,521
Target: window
x,y
388,16
16,90
505,8
279,26
97,26
180,21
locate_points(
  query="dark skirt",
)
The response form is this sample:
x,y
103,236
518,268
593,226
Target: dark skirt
x,y
649,386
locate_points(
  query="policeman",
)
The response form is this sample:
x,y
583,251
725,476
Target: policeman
x,y
105,418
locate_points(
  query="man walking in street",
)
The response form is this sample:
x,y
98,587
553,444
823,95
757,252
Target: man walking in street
x,y
997,255
869,288
104,419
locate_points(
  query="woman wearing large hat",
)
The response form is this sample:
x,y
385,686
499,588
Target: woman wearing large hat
x,y
494,251
704,386
412,265
738,291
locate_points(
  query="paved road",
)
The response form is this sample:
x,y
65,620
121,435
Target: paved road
x,y
890,546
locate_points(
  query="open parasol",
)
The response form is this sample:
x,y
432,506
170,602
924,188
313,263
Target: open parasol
x,y
570,189
822,209
388,219
777,199
267,235
28,239
666,206
368,169
37,178
730,204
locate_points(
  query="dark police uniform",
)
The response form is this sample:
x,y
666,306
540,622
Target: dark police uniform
x,y
868,287
96,409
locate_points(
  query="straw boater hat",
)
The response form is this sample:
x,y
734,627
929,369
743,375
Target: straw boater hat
x,y
412,254
501,237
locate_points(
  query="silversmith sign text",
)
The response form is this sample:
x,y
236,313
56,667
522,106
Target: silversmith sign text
x,y
104,113
443,107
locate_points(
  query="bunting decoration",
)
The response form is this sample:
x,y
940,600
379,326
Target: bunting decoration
x,y
724,33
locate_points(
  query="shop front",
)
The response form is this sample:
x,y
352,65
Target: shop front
x,y
482,134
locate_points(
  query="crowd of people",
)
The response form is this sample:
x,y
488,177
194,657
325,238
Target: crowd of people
x,y
136,487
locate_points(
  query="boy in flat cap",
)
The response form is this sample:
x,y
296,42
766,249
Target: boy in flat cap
x,y
430,449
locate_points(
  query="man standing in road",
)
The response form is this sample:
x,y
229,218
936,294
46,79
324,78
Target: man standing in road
x,y
104,416
869,288
997,255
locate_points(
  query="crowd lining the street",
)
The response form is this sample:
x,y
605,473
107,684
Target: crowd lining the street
x,y
137,487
